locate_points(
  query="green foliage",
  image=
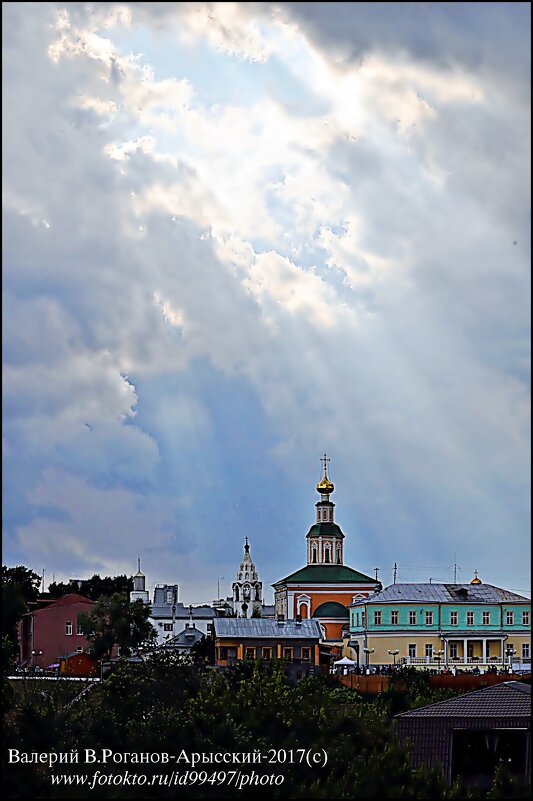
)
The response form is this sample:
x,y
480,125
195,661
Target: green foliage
x,y
410,688
169,702
92,588
19,587
507,786
117,621
203,651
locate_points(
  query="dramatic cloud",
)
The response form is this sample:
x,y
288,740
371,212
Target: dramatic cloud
x,y
239,234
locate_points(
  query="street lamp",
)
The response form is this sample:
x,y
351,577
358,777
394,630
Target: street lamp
x,y
368,651
33,655
510,652
394,654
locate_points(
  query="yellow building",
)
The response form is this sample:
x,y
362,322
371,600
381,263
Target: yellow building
x,y
443,625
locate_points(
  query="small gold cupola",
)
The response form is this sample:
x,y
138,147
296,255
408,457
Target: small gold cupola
x,y
476,579
325,486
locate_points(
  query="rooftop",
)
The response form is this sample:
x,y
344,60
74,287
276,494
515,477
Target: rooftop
x,y
444,593
261,628
326,574
508,699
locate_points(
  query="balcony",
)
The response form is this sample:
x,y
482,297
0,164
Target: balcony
x,y
435,661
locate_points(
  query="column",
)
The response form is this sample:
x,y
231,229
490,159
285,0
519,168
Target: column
x,y
484,657
240,651
446,652
465,650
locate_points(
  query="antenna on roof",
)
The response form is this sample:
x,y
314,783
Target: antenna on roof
x,y
376,571
394,573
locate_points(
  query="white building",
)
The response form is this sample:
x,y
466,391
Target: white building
x,y
247,589
169,617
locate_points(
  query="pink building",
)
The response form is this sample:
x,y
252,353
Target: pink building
x,y
50,630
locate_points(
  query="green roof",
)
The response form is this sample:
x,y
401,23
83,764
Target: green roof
x,y
325,530
326,574
331,609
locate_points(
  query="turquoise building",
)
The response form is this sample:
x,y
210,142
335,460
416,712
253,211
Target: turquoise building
x,y
442,625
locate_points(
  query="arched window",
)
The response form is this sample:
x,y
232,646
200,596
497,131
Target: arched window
x,y
236,593
326,554
339,555
314,555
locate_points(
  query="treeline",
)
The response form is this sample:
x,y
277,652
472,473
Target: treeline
x,y
169,704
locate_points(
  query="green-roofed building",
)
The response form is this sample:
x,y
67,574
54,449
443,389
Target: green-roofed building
x,y
325,587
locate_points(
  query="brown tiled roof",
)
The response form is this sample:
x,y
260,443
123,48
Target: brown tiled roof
x,y
508,699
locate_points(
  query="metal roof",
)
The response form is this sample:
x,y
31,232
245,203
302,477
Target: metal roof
x,y
508,699
260,628
444,593
326,574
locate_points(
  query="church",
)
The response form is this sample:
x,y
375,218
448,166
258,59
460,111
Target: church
x,y
325,587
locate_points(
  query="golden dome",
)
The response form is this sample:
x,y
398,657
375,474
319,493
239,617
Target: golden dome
x,y
325,486
476,579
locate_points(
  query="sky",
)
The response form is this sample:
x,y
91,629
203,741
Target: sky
x,y
237,235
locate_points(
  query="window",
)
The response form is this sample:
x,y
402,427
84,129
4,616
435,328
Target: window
x,y
79,649
68,628
394,615
429,649
357,619
223,653
412,617
525,618
267,653
412,648
249,653
306,654
314,555
377,618
469,618
486,618
78,629
509,618
525,651
326,554
454,618
429,618
287,654
236,593
167,626
453,650
339,559
170,596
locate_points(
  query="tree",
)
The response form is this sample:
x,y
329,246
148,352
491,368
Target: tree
x,y
19,586
92,588
117,621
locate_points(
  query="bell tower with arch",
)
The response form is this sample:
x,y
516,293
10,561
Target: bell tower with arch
x,y
247,589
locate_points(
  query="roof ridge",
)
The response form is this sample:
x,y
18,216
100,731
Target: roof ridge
x,y
462,696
